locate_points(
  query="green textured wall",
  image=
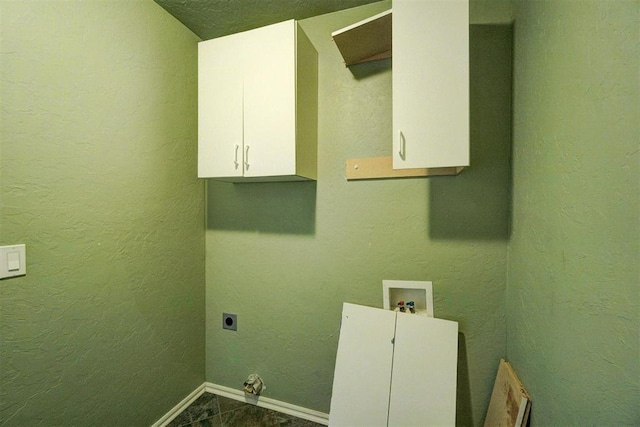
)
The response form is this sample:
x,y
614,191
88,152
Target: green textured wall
x,y
574,257
284,256
98,179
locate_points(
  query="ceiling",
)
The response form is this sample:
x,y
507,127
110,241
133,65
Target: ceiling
x,y
214,18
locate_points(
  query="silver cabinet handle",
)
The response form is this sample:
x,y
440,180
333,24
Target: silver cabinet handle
x,y
403,146
235,160
246,157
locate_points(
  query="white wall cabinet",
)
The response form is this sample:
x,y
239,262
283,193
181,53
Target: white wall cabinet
x,y
430,83
257,105
394,369
430,45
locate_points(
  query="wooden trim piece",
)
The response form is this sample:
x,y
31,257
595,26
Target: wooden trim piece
x,y
382,168
364,41
510,403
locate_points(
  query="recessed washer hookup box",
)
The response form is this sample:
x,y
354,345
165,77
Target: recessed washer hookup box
x,y
405,291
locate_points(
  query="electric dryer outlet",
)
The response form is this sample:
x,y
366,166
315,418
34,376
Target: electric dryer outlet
x,y
230,321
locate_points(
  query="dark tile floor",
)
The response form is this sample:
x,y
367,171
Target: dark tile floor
x,y
210,410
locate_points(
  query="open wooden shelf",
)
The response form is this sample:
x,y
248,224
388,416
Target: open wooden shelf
x,y
382,167
365,41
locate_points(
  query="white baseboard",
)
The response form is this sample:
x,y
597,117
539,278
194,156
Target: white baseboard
x,y
265,402
184,404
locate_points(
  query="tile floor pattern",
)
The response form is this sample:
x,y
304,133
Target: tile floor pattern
x,y
210,410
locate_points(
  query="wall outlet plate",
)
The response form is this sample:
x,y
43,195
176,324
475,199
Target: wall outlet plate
x,y
230,321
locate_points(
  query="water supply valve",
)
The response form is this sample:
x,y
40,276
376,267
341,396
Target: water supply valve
x,y
253,385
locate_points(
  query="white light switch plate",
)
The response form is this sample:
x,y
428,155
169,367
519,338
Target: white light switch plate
x,y
13,261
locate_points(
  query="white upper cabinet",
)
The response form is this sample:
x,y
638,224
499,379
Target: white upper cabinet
x,y
430,83
257,105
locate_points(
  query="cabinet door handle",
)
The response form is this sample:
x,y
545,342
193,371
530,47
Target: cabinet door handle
x,y
235,160
246,157
403,146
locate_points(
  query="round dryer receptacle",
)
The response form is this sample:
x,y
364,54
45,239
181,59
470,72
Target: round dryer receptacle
x,y
230,321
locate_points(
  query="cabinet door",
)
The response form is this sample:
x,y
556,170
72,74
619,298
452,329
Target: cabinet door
x,y
425,360
362,376
220,107
430,83
269,101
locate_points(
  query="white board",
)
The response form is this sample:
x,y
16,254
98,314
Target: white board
x,y
362,376
423,386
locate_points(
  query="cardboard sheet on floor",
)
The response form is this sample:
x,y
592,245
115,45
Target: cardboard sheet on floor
x,y
510,403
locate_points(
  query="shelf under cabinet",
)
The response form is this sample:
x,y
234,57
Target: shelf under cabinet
x,y
382,167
